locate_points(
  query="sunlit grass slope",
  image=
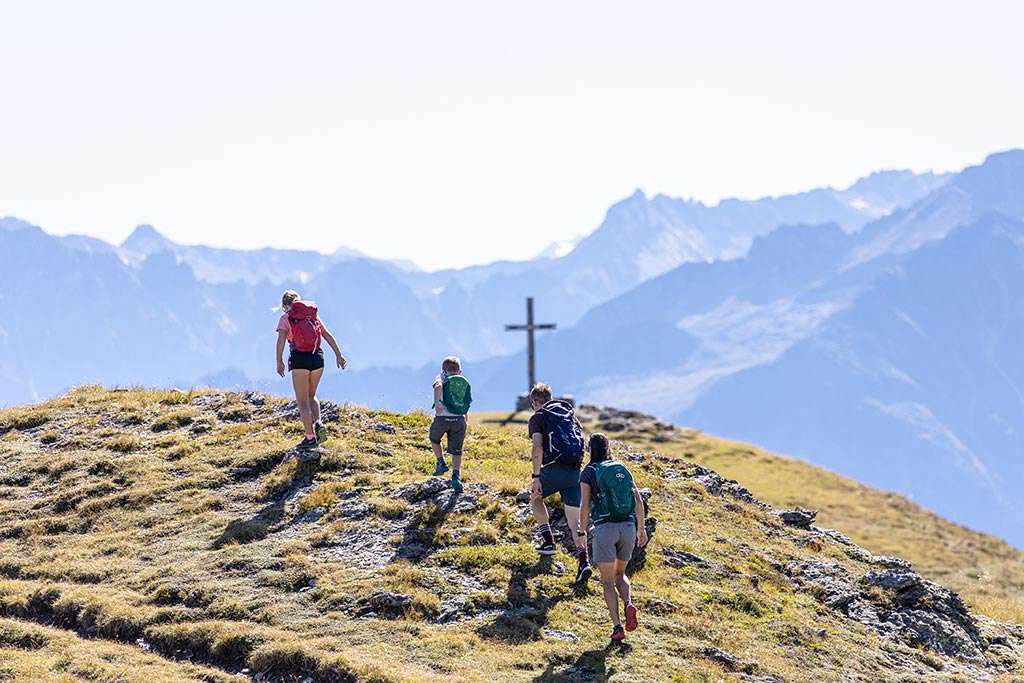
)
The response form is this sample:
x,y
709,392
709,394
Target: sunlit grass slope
x,y
168,536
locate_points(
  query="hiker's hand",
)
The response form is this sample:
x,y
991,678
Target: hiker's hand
x,y
641,538
535,489
581,541
341,361
280,367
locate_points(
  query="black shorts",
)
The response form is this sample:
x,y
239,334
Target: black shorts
x,y
306,360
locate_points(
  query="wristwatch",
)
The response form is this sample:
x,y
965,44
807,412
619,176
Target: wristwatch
x,y
581,533
536,476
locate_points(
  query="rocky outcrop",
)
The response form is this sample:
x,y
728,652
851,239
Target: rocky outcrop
x,y
618,422
896,603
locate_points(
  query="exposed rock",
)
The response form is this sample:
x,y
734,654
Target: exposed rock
x,y
556,634
384,427
421,490
389,605
730,661
628,421
242,472
660,606
799,518
354,509
718,485
681,558
907,608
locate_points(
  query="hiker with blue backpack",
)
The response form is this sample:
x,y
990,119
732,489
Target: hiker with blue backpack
x,y
452,398
610,498
557,438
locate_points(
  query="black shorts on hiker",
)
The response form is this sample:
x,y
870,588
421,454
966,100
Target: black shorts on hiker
x,y
454,426
306,360
562,480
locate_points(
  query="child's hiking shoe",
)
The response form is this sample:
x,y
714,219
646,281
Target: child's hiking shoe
x,y
545,547
583,573
456,485
441,468
321,431
618,635
631,620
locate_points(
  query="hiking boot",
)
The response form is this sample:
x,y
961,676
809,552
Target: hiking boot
x,y
441,468
307,444
456,485
631,621
321,431
545,548
618,635
583,573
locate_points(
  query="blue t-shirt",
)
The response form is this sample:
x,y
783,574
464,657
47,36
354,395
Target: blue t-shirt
x,y
588,476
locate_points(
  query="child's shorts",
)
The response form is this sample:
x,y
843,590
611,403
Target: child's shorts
x,y
454,427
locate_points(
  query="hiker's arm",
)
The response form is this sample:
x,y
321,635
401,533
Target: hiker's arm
x,y
438,405
581,533
329,338
641,521
282,337
538,458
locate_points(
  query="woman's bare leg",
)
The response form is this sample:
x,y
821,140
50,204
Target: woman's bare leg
x,y
300,382
314,403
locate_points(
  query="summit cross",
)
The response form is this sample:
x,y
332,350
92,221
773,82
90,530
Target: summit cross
x,y
530,326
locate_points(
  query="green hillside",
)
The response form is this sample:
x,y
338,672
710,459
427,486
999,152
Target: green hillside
x,y
163,536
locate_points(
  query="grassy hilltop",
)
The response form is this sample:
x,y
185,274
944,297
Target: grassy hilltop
x,y
168,536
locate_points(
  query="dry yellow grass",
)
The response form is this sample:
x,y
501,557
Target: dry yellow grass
x,y
207,542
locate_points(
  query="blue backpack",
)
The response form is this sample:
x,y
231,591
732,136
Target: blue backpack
x,y
565,438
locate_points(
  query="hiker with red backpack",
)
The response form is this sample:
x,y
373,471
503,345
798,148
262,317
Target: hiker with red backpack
x,y
301,327
610,498
557,455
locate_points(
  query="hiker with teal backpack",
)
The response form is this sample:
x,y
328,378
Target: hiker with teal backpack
x,y
611,499
452,398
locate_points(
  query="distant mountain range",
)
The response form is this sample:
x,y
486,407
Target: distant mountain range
x,y
873,329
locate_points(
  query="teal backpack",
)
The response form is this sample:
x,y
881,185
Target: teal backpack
x,y
456,394
614,502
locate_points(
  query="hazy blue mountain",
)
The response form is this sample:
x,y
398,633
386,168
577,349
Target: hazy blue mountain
x,y
231,265
994,186
917,386
76,312
641,238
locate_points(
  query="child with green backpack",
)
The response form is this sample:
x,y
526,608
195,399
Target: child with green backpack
x,y
611,499
452,397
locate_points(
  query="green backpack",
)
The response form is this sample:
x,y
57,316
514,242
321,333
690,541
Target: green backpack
x,y
614,502
456,394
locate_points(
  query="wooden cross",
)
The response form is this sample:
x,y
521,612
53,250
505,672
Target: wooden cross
x,y
531,367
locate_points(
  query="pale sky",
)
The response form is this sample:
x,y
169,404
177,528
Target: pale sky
x,y
452,133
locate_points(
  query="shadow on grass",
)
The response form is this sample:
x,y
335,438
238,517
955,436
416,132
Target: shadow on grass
x,y
527,614
419,535
247,530
591,665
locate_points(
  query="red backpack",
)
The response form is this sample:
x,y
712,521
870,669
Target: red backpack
x,y
306,328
